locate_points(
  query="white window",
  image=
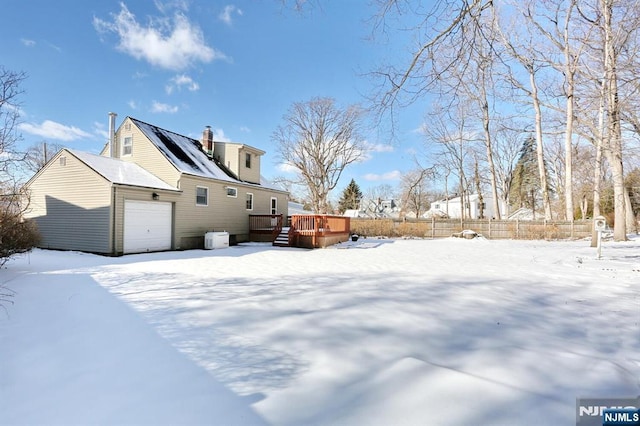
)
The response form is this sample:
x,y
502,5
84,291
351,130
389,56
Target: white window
x,y
274,205
232,192
247,160
202,196
127,145
249,201
436,206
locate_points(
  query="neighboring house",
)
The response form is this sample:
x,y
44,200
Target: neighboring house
x,y
379,209
525,213
452,208
151,189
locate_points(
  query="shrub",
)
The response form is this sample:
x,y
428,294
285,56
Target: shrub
x,y
16,236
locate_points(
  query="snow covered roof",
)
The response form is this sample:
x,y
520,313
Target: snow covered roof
x,y
297,208
121,172
351,213
185,153
468,198
525,213
431,213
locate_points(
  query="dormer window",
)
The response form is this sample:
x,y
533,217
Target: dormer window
x,y
127,145
247,160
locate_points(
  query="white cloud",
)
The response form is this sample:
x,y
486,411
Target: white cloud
x,y
245,129
27,42
171,44
226,15
179,81
287,168
378,147
218,135
165,6
132,104
54,47
52,130
159,107
100,130
394,175
370,148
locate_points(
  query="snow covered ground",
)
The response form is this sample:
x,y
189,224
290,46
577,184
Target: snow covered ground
x,y
382,332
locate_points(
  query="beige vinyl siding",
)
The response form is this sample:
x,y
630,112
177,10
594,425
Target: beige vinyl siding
x,y
122,193
71,205
227,153
232,155
145,153
223,213
249,174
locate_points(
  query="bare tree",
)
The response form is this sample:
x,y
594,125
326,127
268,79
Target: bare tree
x,y
472,83
10,158
554,19
319,140
39,154
438,26
380,192
16,235
449,131
414,186
507,143
522,47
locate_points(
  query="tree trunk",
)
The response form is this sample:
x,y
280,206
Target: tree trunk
x,y
568,152
492,167
597,169
632,224
613,151
542,170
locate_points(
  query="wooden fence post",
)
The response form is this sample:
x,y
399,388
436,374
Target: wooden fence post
x,y
433,227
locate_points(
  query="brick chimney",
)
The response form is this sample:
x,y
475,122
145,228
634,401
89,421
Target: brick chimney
x,y
207,141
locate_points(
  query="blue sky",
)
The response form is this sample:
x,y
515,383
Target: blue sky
x,y
184,64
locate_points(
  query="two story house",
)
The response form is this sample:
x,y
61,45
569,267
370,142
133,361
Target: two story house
x,y
150,189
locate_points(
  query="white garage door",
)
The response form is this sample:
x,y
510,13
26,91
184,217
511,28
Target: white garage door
x,y
147,226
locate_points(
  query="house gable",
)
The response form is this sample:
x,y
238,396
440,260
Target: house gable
x,y
70,202
143,152
243,160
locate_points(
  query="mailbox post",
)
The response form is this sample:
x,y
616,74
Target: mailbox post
x,y
599,224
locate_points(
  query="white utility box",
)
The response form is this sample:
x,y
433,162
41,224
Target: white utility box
x,y
216,240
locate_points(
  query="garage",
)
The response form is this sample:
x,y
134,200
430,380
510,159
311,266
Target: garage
x,y
147,226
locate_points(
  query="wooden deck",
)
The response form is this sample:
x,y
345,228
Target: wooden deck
x,y
307,231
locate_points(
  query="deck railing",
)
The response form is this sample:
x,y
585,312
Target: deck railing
x,y
265,224
319,226
305,230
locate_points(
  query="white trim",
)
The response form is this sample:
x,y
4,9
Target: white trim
x,y
272,209
247,199
124,145
234,189
206,188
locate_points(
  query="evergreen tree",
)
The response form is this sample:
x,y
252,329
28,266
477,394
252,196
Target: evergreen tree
x,y
525,179
350,198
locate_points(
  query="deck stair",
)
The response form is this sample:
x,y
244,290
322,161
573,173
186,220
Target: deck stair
x,y
282,240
